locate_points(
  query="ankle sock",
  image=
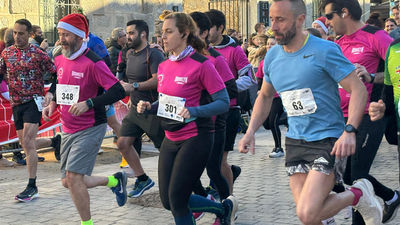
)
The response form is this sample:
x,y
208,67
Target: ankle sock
x,y
395,197
112,181
143,177
88,222
32,182
357,195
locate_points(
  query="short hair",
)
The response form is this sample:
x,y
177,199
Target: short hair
x,y
2,33
298,6
26,23
35,28
257,26
353,6
117,33
374,20
217,18
395,7
314,32
202,21
391,20
140,26
230,31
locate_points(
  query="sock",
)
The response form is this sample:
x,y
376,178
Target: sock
x,y
88,222
32,182
143,177
112,181
357,195
395,197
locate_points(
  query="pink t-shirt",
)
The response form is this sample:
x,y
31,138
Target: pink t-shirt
x,y
223,69
260,74
92,75
367,47
3,86
235,57
188,78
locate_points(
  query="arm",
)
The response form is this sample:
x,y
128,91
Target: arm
x,y
346,144
219,105
245,78
260,113
150,84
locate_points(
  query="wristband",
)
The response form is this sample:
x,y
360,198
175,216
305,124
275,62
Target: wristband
x,y
89,103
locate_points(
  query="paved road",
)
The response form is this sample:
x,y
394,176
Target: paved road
x,y
262,190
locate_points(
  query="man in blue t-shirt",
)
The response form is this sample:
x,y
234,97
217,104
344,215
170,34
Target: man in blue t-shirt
x,y
305,70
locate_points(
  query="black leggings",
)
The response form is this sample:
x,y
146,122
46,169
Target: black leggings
x,y
180,166
214,168
368,139
272,122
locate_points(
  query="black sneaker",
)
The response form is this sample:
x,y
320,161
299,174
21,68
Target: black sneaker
x,y
19,159
230,204
390,211
28,194
276,153
236,170
56,144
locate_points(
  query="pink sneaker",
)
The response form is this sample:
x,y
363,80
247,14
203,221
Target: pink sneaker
x,y
198,215
217,221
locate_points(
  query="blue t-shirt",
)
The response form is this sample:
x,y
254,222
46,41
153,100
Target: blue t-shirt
x,y
97,45
318,65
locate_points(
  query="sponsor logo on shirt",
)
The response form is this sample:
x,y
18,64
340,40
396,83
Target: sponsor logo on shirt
x,y
160,79
357,51
181,80
60,72
77,75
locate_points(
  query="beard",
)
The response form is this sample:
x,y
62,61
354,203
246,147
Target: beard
x,y
288,36
39,39
135,43
73,47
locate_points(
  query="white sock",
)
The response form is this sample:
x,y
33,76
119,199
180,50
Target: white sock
x,y
393,199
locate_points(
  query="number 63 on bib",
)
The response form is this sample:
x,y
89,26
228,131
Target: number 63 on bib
x,y
299,102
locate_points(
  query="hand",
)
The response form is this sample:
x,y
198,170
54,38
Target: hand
x,y
247,144
184,113
77,109
143,106
44,45
47,99
48,111
345,145
157,46
362,73
129,104
127,86
376,110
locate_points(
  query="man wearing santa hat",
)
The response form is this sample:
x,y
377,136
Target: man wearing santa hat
x,y
320,25
82,78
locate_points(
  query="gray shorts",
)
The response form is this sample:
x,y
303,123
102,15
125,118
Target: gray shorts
x,y
79,150
303,156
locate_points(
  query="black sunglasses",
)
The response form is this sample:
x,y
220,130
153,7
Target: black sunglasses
x,y
329,16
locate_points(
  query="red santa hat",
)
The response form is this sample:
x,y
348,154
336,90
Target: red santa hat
x,y
321,21
76,24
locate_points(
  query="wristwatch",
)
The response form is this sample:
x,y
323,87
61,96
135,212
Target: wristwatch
x,y
350,129
135,86
372,78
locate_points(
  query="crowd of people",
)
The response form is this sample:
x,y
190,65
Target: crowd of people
x,y
334,85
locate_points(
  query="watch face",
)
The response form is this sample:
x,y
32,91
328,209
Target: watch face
x,y
349,128
135,85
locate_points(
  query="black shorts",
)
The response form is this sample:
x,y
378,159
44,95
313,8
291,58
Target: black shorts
x,y
26,113
232,125
135,124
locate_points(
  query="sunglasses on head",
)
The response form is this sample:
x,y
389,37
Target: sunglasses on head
x,y
329,16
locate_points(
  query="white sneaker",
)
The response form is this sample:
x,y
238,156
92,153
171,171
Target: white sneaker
x,y
6,163
329,221
368,205
347,212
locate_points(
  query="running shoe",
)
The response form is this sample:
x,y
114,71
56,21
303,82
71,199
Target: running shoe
x,y
211,191
19,160
198,215
28,194
368,205
120,189
217,221
231,205
329,221
56,144
276,153
140,187
6,163
236,170
390,211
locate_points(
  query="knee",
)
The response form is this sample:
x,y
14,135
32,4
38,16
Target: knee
x,y
64,182
123,144
73,179
307,216
165,202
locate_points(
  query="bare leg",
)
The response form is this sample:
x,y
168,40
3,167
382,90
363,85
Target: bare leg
x,y
227,171
28,144
130,155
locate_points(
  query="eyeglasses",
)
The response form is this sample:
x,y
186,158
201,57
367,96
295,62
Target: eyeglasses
x,y
329,16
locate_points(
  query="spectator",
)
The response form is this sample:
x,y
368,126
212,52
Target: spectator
x,y
390,25
118,41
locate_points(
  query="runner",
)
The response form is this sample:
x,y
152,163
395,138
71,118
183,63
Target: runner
x,y
305,70
82,78
190,92
24,65
365,46
141,71
377,111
